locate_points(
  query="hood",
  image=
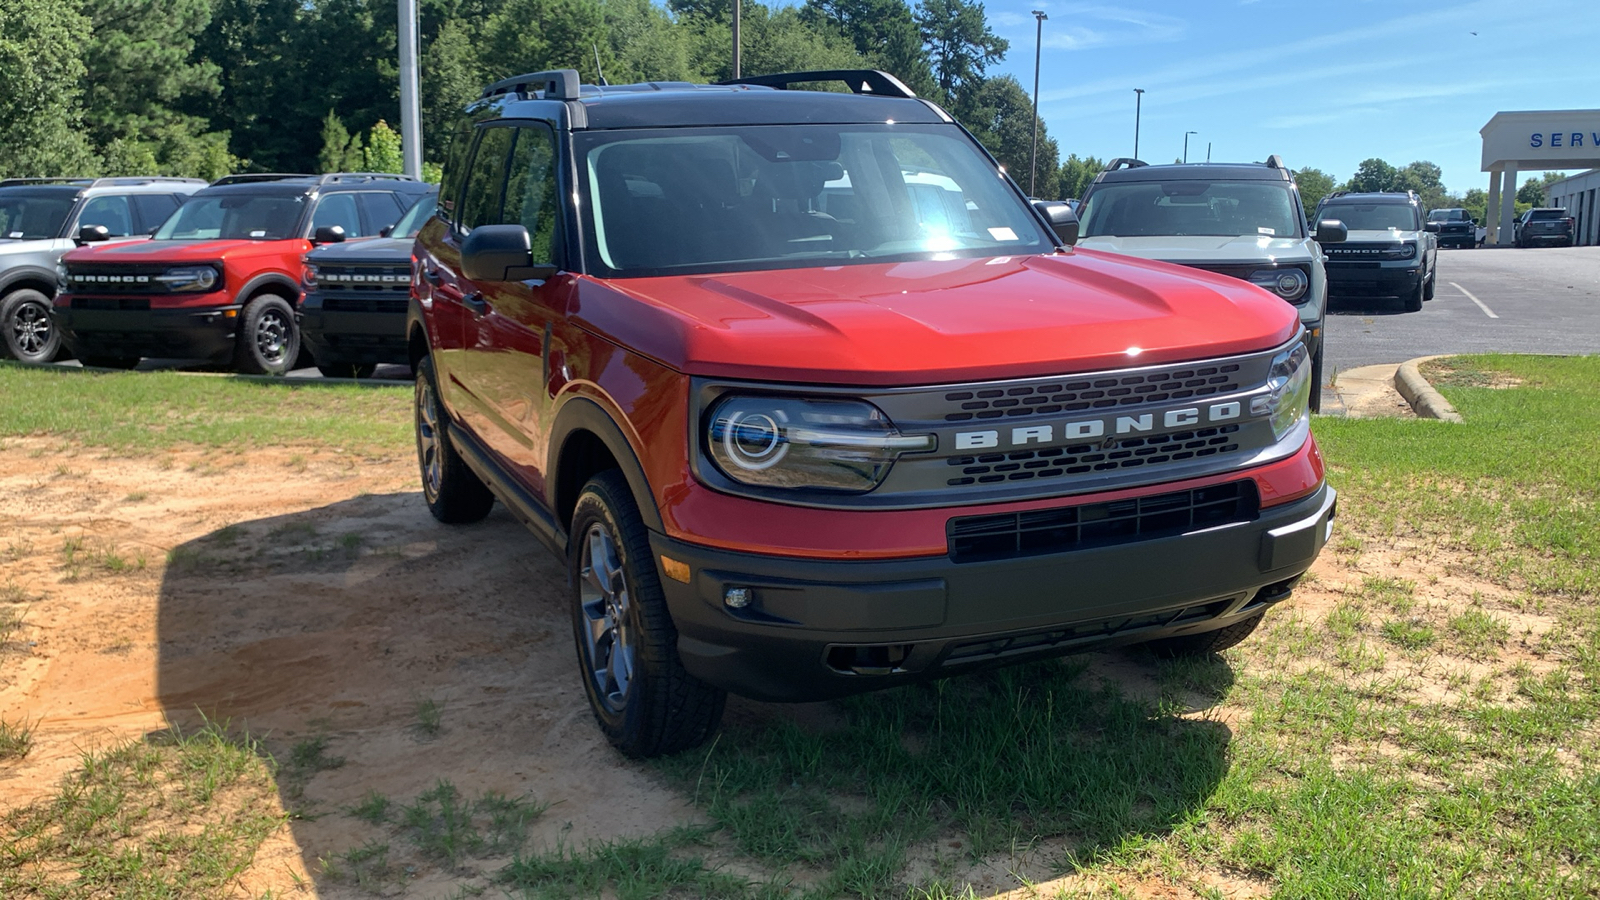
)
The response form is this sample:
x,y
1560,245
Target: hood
x,y
929,322
1197,248
19,245
367,250
179,252
1383,236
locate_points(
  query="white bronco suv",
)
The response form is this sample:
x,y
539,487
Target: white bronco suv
x,y
1238,219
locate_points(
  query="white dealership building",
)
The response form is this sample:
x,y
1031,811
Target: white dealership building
x,y
1516,142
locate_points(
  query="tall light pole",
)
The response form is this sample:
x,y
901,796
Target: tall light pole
x,y
410,112
1138,101
1038,42
1186,144
737,5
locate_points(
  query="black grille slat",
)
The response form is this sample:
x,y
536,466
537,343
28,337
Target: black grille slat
x,y
1125,392
1013,535
1130,453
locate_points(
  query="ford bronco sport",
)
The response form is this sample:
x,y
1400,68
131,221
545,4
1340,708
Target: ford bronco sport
x,y
220,279
1239,219
1453,227
1387,251
812,401
42,218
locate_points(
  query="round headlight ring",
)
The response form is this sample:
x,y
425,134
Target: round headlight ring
x,y
754,441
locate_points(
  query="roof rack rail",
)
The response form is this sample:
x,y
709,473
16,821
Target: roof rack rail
x,y
860,81
1125,162
1275,162
10,182
556,84
248,177
333,177
1332,194
129,180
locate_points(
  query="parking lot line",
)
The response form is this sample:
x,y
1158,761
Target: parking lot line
x,y
1481,305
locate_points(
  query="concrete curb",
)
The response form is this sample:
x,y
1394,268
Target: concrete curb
x,y
1428,402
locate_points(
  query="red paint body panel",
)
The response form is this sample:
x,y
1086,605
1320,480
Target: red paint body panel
x,y
936,321
242,261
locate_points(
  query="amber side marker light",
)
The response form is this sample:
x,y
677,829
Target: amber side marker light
x,y
230,313
677,571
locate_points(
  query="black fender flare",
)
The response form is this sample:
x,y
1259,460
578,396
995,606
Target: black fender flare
x,y
274,279
584,414
12,277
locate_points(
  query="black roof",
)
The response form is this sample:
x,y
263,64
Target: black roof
x,y
276,185
877,98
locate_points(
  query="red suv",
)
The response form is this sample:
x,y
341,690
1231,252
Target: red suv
x,y
221,278
813,401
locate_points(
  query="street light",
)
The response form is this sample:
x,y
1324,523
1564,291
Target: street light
x,y
410,111
1138,100
1038,42
737,7
1186,144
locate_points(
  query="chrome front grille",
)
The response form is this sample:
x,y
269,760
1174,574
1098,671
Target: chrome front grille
x,y
365,279
1118,392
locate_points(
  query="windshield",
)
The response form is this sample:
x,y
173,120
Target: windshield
x,y
1219,208
685,200
1372,216
235,216
32,215
415,217
1447,215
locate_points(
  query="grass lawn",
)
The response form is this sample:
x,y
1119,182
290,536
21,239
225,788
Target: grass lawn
x,y
1420,722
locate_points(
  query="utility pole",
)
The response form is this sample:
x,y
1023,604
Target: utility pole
x,y
1186,144
736,9
1038,43
1208,151
1138,101
410,111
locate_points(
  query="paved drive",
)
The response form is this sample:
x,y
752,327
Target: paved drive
x,y
1540,300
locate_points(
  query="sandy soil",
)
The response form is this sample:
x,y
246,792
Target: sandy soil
x,y
301,593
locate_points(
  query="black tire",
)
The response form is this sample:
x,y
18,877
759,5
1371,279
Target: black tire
x,y
1316,380
1206,641
1433,281
347,370
1413,300
649,705
30,335
454,493
109,362
269,340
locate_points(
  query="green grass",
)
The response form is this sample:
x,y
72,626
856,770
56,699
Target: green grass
x,y
141,411
173,815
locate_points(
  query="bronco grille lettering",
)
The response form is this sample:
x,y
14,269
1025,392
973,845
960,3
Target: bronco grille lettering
x,y
1094,428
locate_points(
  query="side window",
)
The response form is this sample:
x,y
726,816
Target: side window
x,y
153,209
484,191
338,209
455,170
380,209
531,190
110,211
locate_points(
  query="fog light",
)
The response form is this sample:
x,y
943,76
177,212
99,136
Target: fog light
x,y
737,598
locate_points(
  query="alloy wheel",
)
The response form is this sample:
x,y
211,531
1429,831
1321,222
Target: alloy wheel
x,y
31,327
272,336
606,605
428,438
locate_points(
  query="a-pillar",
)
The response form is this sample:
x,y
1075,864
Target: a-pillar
x,y
1491,222
1508,207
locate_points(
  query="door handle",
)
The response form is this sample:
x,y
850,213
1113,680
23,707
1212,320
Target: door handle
x,y
475,302
431,275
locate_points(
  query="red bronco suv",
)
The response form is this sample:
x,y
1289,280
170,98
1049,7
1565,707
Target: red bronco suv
x,y
813,401
221,277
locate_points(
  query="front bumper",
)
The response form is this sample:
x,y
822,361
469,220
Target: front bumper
x,y
1372,280
816,629
364,332
206,333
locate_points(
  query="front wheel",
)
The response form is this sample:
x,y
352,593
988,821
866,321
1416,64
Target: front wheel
x,y
269,342
1413,300
1206,641
645,702
30,335
1316,380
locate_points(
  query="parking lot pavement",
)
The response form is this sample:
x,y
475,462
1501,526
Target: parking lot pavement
x,y
1500,299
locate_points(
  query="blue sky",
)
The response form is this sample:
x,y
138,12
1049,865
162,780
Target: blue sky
x,y
1324,84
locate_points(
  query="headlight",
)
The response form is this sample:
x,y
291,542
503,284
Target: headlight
x,y
797,443
310,277
61,277
1288,394
1403,251
1290,284
190,278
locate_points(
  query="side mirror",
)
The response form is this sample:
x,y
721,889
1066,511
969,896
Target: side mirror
x,y
93,234
1063,221
1473,221
1332,231
500,253
385,231
1430,226
328,234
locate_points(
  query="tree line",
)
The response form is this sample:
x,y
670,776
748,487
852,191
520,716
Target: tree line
x,y
208,87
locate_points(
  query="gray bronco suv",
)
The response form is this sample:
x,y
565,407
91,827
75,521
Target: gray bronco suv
x,y
1389,252
1238,219
42,218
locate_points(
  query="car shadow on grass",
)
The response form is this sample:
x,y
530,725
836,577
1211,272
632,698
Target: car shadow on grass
x,y
416,685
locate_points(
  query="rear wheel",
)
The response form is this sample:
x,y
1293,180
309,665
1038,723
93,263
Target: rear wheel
x,y
30,335
643,699
454,493
269,342
1206,641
